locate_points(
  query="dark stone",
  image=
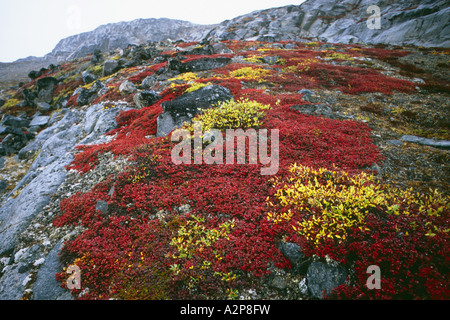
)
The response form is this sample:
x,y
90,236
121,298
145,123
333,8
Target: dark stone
x,y
271,59
97,57
149,82
201,50
9,120
29,97
12,144
12,130
187,106
87,77
441,144
296,257
84,97
22,104
204,64
45,89
314,110
323,276
306,93
2,102
24,267
174,64
140,53
159,59
45,83
44,107
34,74
46,286
3,183
110,67
96,87
102,206
146,98
278,283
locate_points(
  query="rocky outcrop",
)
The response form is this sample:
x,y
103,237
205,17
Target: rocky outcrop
x,y
119,35
53,150
422,23
186,107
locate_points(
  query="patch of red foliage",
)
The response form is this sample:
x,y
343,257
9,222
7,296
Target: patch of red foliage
x,y
147,72
129,252
133,128
215,193
354,80
187,44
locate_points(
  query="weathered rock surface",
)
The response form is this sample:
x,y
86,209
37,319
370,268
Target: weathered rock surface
x,y
110,67
120,35
185,107
442,144
324,276
53,147
422,23
145,98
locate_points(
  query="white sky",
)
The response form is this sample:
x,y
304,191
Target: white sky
x,y
34,27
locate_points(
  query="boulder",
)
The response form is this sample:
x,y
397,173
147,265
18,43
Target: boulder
x,y
294,254
12,130
324,277
145,98
29,96
174,64
9,120
3,185
39,121
221,48
46,286
11,144
149,82
44,88
87,77
34,74
204,64
102,206
127,87
84,97
97,57
441,144
314,110
187,106
43,107
201,50
110,67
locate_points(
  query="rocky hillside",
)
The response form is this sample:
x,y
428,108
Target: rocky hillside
x,y
358,137
104,38
417,22
120,35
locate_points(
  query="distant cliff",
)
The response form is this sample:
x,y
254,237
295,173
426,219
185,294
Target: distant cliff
x,y
118,35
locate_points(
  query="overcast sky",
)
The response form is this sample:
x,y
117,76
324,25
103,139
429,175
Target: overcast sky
x,y
34,27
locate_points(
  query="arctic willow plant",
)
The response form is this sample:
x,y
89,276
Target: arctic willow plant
x,y
320,204
232,115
